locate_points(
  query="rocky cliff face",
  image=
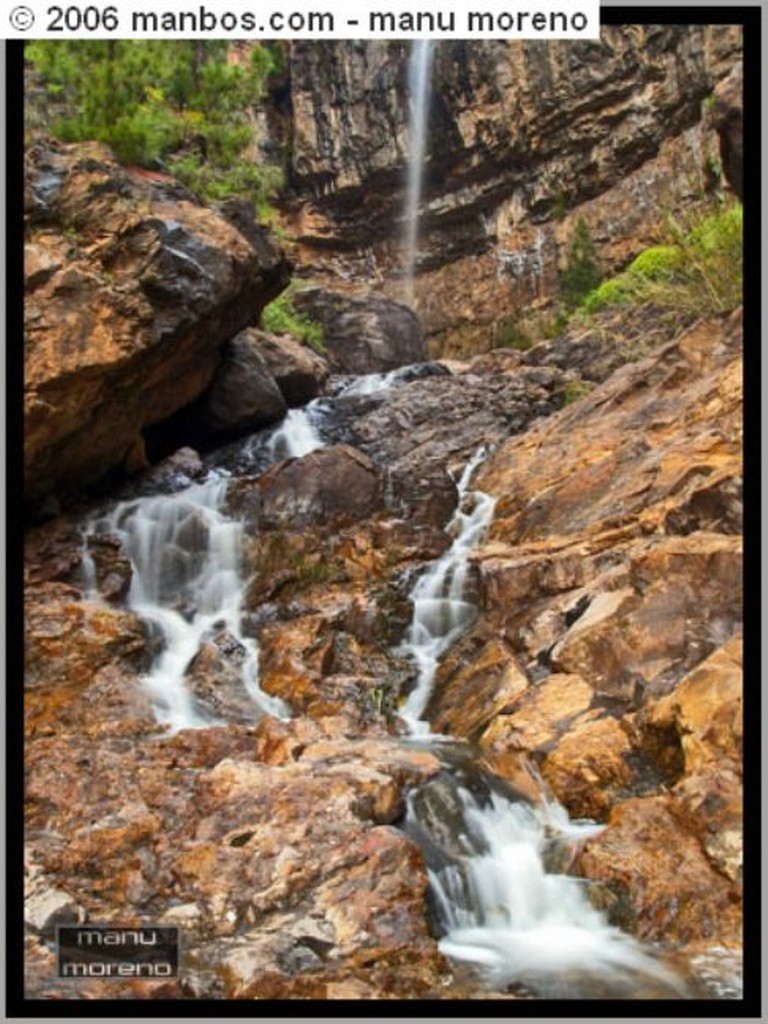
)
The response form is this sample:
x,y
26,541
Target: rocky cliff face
x,y
525,138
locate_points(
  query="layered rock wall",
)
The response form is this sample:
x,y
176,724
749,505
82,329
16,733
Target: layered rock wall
x,y
525,138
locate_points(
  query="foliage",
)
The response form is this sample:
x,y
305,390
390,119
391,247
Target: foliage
x,y
576,389
510,334
280,317
582,271
180,105
697,270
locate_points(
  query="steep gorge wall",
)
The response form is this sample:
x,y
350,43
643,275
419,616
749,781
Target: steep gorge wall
x,y
525,138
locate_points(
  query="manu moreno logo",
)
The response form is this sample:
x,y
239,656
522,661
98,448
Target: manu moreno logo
x,y
101,951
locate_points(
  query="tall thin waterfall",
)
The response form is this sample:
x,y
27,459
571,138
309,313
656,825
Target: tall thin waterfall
x,y
419,68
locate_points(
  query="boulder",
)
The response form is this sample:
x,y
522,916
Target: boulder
x,y
364,335
664,886
132,289
297,369
336,485
243,394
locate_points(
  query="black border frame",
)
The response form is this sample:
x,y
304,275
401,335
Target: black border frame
x,y
750,17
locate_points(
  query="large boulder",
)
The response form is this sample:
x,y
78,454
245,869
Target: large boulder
x,y
243,395
336,485
297,369
364,335
132,287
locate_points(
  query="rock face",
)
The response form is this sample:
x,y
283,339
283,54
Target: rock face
x,y
364,335
132,289
728,119
524,140
609,645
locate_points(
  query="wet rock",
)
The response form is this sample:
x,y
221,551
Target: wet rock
x,y
537,717
588,770
332,486
215,678
705,709
674,893
172,474
243,394
68,640
468,693
112,567
364,335
296,368
154,283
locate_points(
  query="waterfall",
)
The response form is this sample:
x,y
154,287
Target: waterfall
x,y
440,611
502,911
296,436
419,68
186,557
499,906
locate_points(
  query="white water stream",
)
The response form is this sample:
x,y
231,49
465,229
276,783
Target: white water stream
x,y
296,435
186,554
419,73
518,923
501,909
440,612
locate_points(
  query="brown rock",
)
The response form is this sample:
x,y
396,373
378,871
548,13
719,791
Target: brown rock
x,y
587,770
666,885
296,368
332,486
540,715
68,640
728,118
466,696
152,285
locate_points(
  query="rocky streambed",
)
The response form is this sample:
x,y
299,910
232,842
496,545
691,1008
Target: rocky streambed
x,y
297,833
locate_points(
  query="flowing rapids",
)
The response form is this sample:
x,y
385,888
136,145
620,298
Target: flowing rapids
x,y
186,555
499,907
501,910
440,611
296,436
419,67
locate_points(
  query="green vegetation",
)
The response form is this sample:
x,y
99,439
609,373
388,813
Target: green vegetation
x,y
180,106
576,389
280,317
582,271
509,334
698,270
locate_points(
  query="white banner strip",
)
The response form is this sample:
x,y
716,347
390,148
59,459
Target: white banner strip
x,y
304,19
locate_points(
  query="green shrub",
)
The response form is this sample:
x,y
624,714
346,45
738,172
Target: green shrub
x,y
696,270
179,105
280,317
582,271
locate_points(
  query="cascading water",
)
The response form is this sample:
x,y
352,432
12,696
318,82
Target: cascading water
x,y
499,907
517,923
440,612
296,436
419,71
186,556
